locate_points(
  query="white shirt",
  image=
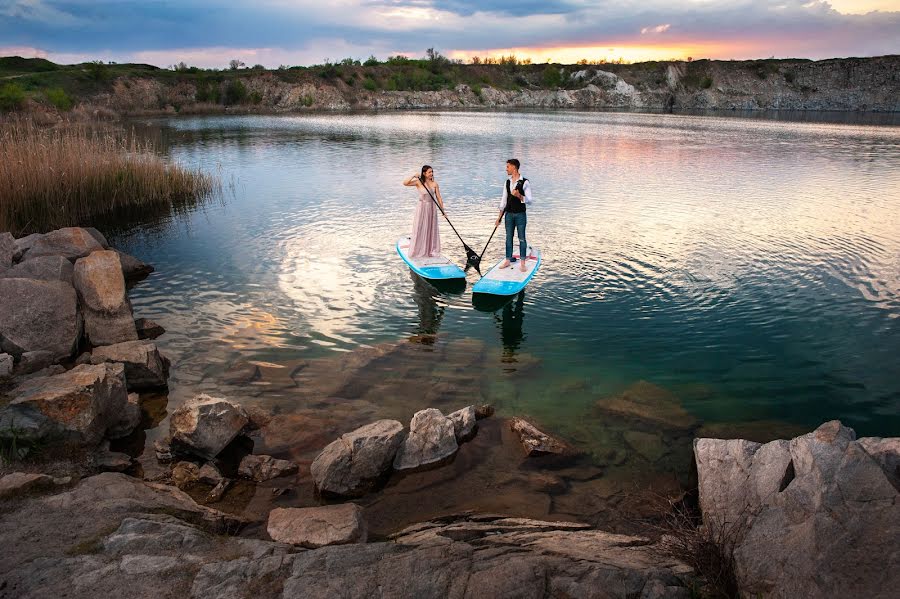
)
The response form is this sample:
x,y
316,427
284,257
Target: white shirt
x,y
512,185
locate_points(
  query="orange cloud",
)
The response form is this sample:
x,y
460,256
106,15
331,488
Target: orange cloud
x,y
625,52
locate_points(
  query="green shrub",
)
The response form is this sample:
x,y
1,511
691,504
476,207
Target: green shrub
x,y
307,100
476,89
371,61
789,76
59,98
370,84
235,92
98,71
207,92
552,76
255,98
11,97
706,83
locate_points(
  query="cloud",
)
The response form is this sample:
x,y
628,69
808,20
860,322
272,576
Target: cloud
x,y
657,29
37,11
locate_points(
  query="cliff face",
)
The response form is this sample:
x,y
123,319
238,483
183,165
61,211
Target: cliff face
x,y
871,84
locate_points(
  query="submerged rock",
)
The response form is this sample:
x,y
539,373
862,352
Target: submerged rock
x,y
261,468
354,463
204,425
431,442
649,403
807,516
537,442
315,527
38,316
101,289
463,423
81,405
145,367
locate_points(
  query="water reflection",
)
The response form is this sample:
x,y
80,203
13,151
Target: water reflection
x,y
427,296
509,317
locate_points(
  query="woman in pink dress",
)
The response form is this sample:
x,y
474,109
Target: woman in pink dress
x,y
425,241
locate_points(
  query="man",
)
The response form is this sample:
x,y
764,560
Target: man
x,y
516,195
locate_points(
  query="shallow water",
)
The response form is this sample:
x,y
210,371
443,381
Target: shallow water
x,y
741,274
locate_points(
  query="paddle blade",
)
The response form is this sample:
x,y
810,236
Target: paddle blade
x,y
473,260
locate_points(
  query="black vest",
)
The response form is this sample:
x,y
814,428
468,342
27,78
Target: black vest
x,y
514,204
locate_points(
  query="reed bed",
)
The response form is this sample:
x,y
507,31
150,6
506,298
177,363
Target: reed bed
x,y
76,175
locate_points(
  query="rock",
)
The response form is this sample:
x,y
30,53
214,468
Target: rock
x,y
129,419
45,268
261,468
648,445
101,291
23,244
463,423
163,451
83,358
72,243
887,453
22,482
132,268
113,461
145,367
147,329
8,250
33,361
6,365
315,527
431,442
538,443
204,425
210,475
219,490
38,316
806,516
98,236
81,404
485,411
185,474
354,463
51,370
649,403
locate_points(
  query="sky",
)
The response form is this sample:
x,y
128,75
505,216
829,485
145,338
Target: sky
x,y
209,34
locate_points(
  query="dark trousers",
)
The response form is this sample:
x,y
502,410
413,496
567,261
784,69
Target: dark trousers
x,y
516,221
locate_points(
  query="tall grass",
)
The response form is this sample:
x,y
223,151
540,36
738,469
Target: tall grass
x,y
79,175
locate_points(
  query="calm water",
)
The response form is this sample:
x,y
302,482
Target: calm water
x,y
747,269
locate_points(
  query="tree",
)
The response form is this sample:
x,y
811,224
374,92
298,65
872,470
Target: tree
x,y
235,64
181,66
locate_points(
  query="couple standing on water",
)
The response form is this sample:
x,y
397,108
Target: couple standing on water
x,y
425,240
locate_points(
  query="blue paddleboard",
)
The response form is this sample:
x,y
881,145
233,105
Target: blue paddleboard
x,y
509,280
438,267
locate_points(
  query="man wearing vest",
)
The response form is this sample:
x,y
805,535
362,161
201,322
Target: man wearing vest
x,y
516,195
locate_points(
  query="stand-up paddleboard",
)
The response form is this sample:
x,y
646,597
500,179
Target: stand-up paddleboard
x,y
509,280
437,267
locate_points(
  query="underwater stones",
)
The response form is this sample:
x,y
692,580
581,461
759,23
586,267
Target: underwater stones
x,y
463,423
315,527
537,442
353,464
431,441
651,404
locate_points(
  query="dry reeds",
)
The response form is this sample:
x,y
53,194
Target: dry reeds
x,y
73,174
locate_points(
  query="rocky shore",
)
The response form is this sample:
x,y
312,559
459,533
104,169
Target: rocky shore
x,y
798,517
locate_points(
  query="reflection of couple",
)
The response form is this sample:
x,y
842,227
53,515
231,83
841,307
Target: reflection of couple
x,y
425,240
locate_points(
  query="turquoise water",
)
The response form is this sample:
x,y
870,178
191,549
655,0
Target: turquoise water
x,y
748,267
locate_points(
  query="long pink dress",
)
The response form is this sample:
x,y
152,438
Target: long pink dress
x,y
425,241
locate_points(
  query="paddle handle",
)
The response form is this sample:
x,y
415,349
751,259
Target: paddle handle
x,y
444,213
497,226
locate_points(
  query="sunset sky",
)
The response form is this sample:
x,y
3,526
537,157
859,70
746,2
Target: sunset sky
x,y
301,32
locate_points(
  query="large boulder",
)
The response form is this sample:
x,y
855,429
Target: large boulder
x,y
354,463
261,468
72,243
205,425
8,250
431,442
80,405
807,517
101,289
45,268
145,367
38,316
132,268
314,527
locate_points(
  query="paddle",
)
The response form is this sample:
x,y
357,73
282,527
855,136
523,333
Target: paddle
x,y
472,259
489,240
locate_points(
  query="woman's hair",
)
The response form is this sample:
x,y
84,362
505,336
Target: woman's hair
x,y
424,170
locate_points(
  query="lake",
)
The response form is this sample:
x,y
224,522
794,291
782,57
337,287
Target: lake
x,y
702,275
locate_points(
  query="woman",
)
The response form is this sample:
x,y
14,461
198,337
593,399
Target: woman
x,y
425,241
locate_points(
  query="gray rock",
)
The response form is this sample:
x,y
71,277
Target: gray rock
x,y
38,316
81,405
6,365
431,442
887,453
33,361
72,243
145,367
45,268
8,250
484,411
51,370
132,268
98,236
23,244
83,358
101,291
22,482
204,425
163,451
112,461
261,468
537,442
147,329
129,419
815,512
210,475
464,423
354,463
315,527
